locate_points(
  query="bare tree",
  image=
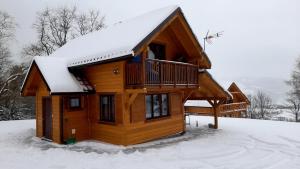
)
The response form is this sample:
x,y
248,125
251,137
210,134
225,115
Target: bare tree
x,y
56,26
11,104
263,103
90,22
7,28
294,93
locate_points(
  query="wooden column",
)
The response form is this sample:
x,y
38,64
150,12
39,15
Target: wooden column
x,y
216,115
216,105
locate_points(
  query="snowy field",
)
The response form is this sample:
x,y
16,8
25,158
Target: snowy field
x,y
238,144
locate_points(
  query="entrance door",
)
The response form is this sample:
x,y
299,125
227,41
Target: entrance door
x,y
47,118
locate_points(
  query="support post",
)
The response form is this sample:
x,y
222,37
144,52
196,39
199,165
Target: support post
x,y
216,115
129,97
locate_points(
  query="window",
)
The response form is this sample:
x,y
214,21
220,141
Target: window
x,y
74,102
158,50
107,108
157,105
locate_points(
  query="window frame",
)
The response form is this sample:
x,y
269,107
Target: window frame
x,y
113,107
70,107
160,106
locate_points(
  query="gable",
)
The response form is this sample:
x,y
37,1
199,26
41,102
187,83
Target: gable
x,y
237,94
33,80
176,33
55,75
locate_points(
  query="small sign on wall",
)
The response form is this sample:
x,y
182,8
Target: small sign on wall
x,y
73,131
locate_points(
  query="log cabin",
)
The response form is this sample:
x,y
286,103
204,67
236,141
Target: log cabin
x,y
125,84
235,106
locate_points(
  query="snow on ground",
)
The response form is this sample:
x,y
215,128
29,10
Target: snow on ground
x,y
283,115
238,144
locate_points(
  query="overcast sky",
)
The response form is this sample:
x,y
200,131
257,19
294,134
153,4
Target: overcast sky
x,y
261,37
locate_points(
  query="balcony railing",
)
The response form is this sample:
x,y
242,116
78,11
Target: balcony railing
x,y
233,107
161,73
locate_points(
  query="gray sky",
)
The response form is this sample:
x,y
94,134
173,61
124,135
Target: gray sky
x,y
261,37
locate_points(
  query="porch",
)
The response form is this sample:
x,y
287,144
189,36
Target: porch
x,y
161,73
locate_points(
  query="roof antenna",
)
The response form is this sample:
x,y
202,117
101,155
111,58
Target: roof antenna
x,y
208,38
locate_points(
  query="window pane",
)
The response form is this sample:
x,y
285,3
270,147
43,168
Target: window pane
x,y
148,106
74,102
164,104
107,109
156,106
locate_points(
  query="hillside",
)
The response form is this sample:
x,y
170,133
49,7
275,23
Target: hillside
x,y
239,143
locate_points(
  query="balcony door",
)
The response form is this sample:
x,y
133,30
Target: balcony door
x,y
157,51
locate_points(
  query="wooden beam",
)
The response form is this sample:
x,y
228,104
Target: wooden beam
x,y
131,91
129,96
211,102
131,99
186,96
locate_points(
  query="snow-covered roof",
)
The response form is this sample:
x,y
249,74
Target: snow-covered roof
x,y
57,75
220,86
197,103
113,41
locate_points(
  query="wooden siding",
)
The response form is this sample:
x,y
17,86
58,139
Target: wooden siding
x,y
137,113
103,78
150,130
173,47
142,130
41,91
107,132
75,119
176,104
56,116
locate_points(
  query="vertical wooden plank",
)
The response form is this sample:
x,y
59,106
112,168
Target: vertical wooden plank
x,y
56,119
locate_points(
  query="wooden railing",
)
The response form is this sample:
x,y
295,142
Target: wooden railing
x,y
232,108
224,109
161,72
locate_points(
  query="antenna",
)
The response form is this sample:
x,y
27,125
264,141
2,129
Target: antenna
x,y
208,38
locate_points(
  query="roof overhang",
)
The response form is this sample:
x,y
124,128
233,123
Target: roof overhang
x,y
209,89
235,90
52,72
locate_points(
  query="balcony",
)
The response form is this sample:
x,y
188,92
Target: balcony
x,y
161,73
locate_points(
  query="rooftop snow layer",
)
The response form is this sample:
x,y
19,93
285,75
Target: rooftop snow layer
x,y
113,41
57,75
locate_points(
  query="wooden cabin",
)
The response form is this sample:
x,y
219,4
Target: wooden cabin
x,y
233,107
125,84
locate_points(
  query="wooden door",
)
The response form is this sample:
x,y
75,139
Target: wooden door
x,y
47,118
